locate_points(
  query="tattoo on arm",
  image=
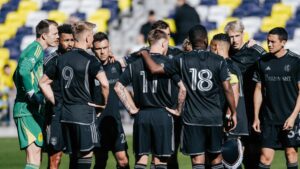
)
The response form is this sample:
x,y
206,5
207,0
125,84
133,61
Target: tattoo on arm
x,y
181,96
125,98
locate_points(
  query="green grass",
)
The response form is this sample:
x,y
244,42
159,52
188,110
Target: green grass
x,y
12,158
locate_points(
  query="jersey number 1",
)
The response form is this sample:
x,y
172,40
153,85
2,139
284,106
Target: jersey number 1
x,y
145,83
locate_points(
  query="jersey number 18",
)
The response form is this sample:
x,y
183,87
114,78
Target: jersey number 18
x,y
204,83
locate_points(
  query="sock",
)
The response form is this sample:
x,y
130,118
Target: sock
x,y
84,163
217,166
31,166
161,166
198,166
119,167
140,166
72,161
263,166
152,166
292,165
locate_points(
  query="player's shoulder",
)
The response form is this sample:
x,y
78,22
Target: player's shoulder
x,y
293,55
260,50
52,56
34,49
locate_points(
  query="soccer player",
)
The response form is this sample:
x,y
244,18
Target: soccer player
x,y
112,136
205,74
55,143
277,97
28,112
76,71
244,55
220,44
152,106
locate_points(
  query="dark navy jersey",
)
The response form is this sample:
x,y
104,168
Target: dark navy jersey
x,y
150,91
203,73
50,63
113,72
245,59
172,51
77,71
279,78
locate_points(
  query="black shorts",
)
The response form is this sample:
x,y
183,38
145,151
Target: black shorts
x,y
111,132
80,138
196,140
274,137
54,137
153,133
242,125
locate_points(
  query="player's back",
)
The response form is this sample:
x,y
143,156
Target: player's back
x,y
203,73
75,79
152,90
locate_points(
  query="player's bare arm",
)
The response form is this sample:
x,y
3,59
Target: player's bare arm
x,y
230,98
45,85
101,77
125,98
236,94
181,99
290,121
257,100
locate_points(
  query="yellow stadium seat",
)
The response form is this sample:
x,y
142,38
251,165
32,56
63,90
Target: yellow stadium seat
x,y
3,2
3,38
231,3
28,6
101,24
102,13
58,16
246,36
7,30
279,9
4,54
171,42
16,17
212,33
171,24
13,65
124,4
269,22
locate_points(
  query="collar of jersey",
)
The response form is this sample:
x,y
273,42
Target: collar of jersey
x,y
74,48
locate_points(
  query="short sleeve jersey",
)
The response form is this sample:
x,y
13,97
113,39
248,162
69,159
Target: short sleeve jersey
x,y
150,91
113,72
77,71
203,73
279,78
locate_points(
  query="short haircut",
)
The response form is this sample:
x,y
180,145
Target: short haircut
x,y
151,13
281,32
43,27
65,28
155,35
236,26
99,37
198,36
82,27
160,25
221,37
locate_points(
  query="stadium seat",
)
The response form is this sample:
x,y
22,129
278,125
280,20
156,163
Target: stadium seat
x,y
58,16
218,14
252,24
89,6
69,6
124,5
7,30
297,33
269,22
224,22
282,9
26,41
230,3
101,24
193,2
212,33
264,45
3,2
202,11
260,36
49,5
102,13
15,17
208,2
4,54
33,18
28,6
172,25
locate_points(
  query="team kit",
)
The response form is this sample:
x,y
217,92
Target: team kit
x,y
225,103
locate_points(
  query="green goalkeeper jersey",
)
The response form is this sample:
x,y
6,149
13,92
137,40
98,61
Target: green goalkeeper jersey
x,y
26,77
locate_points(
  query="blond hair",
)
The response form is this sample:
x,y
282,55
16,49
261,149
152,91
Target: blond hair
x,y
81,27
236,26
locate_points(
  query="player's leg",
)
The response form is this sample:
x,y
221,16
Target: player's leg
x,y
141,162
33,156
266,158
291,154
101,157
54,158
101,153
173,161
120,145
214,146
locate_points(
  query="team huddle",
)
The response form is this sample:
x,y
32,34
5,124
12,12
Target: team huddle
x,y
207,102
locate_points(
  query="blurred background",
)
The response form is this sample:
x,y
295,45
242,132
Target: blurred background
x,y
127,23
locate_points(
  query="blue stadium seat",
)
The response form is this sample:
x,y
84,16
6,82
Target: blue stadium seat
x,y
260,36
112,5
291,32
14,53
209,2
25,30
49,5
209,25
80,15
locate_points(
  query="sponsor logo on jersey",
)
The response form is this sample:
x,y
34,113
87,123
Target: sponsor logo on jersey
x,y
287,68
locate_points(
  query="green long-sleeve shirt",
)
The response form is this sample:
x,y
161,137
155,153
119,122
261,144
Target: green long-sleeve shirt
x,y
28,73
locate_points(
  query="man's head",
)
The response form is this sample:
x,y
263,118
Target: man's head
x,y
101,46
151,16
277,38
198,37
158,41
163,26
235,30
83,33
220,44
66,38
46,30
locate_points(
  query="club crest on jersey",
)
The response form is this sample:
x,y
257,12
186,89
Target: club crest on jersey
x,y
268,68
113,70
287,68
